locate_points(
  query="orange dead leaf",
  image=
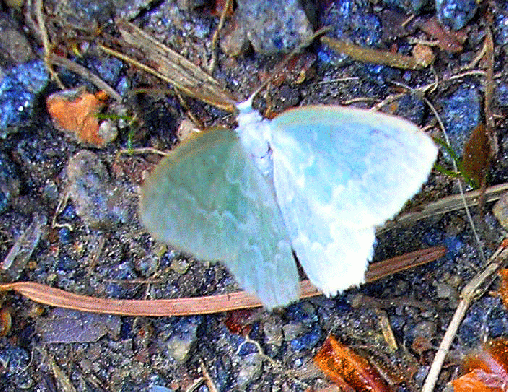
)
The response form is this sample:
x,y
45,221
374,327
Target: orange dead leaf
x,y
76,111
487,369
347,369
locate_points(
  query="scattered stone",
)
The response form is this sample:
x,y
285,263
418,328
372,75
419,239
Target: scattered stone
x,y
500,27
274,335
455,14
100,203
250,370
269,26
445,291
15,365
18,89
410,6
158,388
352,21
501,93
70,326
412,108
461,114
82,14
500,211
20,253
14,46
486,316
180,336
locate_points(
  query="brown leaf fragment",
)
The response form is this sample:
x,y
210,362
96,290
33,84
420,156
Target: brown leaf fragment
x,y
347,369
476,155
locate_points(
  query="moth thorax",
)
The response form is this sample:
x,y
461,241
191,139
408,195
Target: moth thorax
x,y
254,133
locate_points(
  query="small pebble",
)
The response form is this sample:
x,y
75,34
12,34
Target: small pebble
x,y
410,6
84,14
455,14
501,27
18,89
500,211
446,291
486,319
501,93
461,114
99,202
15,364
270,26
179,337
14,46
158,388
70,326
352,21
250,370
412,108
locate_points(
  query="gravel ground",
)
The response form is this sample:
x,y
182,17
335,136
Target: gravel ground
x,y
77,204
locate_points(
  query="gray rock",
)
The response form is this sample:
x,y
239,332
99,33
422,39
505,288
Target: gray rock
x,y
70,326
269,26
100,203
250,370
455,14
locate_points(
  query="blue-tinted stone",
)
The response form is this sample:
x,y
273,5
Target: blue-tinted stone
x,y
307,341
302,312
271,26
412,108
410,6
109,69
501,94
488,315
378,75
461,114
15,365
247,349
158,388
18,88
454,247
66,265
65,235
118,276
455,14
100,202
501,29
180,335
69,213
353,21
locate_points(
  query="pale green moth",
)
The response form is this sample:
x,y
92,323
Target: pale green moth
x,y
316,180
